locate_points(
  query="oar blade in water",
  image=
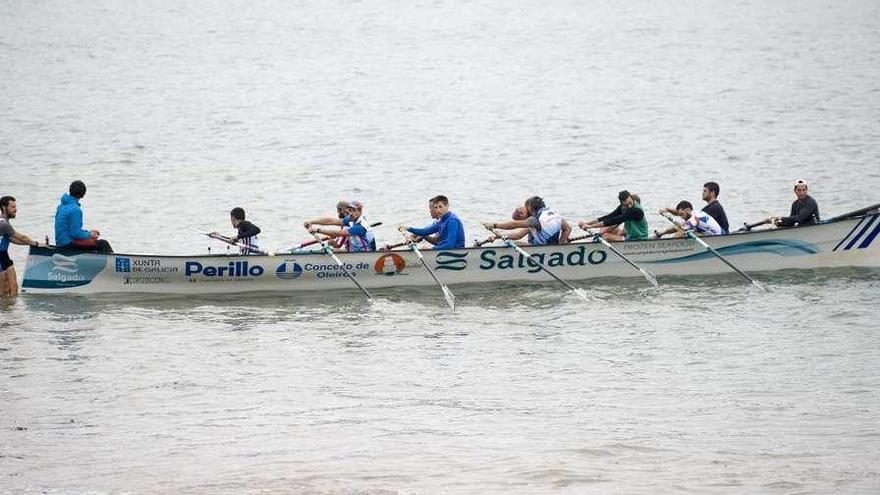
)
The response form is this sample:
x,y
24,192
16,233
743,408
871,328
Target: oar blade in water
x,y
650,278
450,297
582,294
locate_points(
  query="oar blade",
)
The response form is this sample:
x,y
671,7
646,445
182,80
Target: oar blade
x,y
650,278
582,294
450,297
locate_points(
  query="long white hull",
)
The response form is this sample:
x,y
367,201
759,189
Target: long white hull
x,y
843,243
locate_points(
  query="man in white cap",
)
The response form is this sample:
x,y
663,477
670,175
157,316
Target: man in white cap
x,y
804,210
358,236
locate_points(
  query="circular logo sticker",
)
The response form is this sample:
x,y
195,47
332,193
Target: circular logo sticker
x,y
288,270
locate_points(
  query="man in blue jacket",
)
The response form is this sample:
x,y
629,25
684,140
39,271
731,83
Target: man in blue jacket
x,y
447,226
69,231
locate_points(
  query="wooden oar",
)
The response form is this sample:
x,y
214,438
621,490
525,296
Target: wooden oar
x,y
389,247
313,242
484,241
580,293
450,297
645,273
228,240
853,213
329,252
712,250
572,240
493,239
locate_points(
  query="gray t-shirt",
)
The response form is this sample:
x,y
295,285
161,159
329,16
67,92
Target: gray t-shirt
x,y
5,227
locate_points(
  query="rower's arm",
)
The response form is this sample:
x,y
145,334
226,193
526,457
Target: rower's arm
x,y
425,231
432,239
512,224
24,240
249,230
323,221
517,234
330,231
566,232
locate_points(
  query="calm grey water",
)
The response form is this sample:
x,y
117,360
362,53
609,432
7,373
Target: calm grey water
x,y
173,113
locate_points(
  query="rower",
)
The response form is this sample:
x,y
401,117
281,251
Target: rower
x,y
69,232
804,210
711,191
629,214
541,224
445,232
358,237
686,219
8,278
246,232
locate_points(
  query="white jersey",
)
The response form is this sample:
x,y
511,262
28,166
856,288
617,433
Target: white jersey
x,y
704,223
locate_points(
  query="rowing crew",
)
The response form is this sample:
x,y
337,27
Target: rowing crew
x,y
534,220
534,223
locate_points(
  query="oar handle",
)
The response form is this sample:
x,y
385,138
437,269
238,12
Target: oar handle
x,y
484,241
588,235
228,240
749,226
389,247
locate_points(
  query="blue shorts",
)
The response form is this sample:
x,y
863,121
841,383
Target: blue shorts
x,y
5,261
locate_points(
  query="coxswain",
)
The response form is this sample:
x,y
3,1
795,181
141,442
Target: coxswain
x,y
69,231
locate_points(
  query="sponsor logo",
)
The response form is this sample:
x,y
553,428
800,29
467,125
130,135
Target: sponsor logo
x,y
289,270
60,271
123,265
447,260
490,260
66,264
389,264
233,269
332,270
144,271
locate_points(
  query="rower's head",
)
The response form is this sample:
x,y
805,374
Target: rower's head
x,y
534,204
711,190
520,213
355,209
237,216
342,209
438,206
8,207
685,209
77,189
801,189
626,199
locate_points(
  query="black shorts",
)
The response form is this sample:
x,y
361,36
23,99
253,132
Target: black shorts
x,y
5,261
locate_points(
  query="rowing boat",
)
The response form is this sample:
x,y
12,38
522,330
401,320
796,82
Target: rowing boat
x,y
842,243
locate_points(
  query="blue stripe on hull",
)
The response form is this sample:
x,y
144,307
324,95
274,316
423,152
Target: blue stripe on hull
x,y
781,248
861,233
849,234
868,240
